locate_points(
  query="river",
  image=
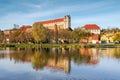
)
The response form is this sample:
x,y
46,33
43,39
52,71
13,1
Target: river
x,y
60,64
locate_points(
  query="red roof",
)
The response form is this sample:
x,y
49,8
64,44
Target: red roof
x,y
25,27
51,21
91,26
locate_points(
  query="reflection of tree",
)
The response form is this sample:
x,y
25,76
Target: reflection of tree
x,y
57,59
39,59
117,53
84,56
2,56
56,56
111,52
18,56
21,55
79,58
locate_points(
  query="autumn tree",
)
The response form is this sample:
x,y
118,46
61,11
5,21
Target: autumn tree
x,y
39,33
1,36
13,37
25,37
50,35
117,37
65,34
78,34
56,34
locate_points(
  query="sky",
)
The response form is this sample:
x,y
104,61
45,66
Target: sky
x,y
104,13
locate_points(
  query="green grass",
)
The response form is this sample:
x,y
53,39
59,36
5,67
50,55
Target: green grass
x,y
61,45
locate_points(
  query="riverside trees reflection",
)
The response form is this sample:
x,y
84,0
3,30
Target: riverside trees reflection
x,y
59,58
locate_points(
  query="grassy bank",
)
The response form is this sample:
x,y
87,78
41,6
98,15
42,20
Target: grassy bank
x,y
61,45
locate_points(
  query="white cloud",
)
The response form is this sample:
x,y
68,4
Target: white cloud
x,y
29,18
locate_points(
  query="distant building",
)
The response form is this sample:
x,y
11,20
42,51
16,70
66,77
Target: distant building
x,y
7,34
92,28
62,23
26,28
95,32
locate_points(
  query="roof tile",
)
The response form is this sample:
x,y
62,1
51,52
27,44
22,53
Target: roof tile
x,y
91,26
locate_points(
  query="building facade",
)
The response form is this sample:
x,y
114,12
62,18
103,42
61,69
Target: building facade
x,y
94,31
92,28
26,28
61,23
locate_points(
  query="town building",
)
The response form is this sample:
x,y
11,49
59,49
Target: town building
x,y
7,34
92,28
26,28
61,23
94,31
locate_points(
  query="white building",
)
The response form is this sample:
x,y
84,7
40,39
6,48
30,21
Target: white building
x,y
95,32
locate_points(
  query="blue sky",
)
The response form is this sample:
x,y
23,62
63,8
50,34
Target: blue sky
x,y
105,13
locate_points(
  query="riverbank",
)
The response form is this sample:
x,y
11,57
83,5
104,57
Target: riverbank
x,y
61,45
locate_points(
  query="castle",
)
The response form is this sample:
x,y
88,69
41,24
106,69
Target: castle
x,y
61,23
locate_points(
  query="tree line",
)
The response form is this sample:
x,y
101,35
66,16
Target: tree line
x,y
40,34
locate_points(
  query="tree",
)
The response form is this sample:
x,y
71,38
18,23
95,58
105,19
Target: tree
x,y
65,34
14,35
25,37
1,36
39,33
117,37
56,34
50,35
78,34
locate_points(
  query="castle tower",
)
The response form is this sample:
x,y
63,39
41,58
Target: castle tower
x,y
67,22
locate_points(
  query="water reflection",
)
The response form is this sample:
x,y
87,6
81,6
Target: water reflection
x,y
59,58
111,52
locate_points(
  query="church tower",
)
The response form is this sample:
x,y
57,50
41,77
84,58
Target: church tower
x,y
67,22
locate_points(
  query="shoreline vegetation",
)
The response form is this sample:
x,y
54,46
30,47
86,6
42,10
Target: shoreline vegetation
x,y
60,45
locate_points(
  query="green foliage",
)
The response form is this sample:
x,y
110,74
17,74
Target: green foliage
x,y
64,34
56,34
39,60
1,37
14,36
78,34
39,32
117,37
112,30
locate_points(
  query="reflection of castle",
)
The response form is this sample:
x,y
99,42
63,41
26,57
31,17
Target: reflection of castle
x,y
61,64
58,61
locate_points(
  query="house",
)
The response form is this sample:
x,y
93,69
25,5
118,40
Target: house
x,y
94,31
93,28
26,28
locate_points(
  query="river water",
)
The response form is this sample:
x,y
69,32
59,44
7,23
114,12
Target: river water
x,y
60,64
